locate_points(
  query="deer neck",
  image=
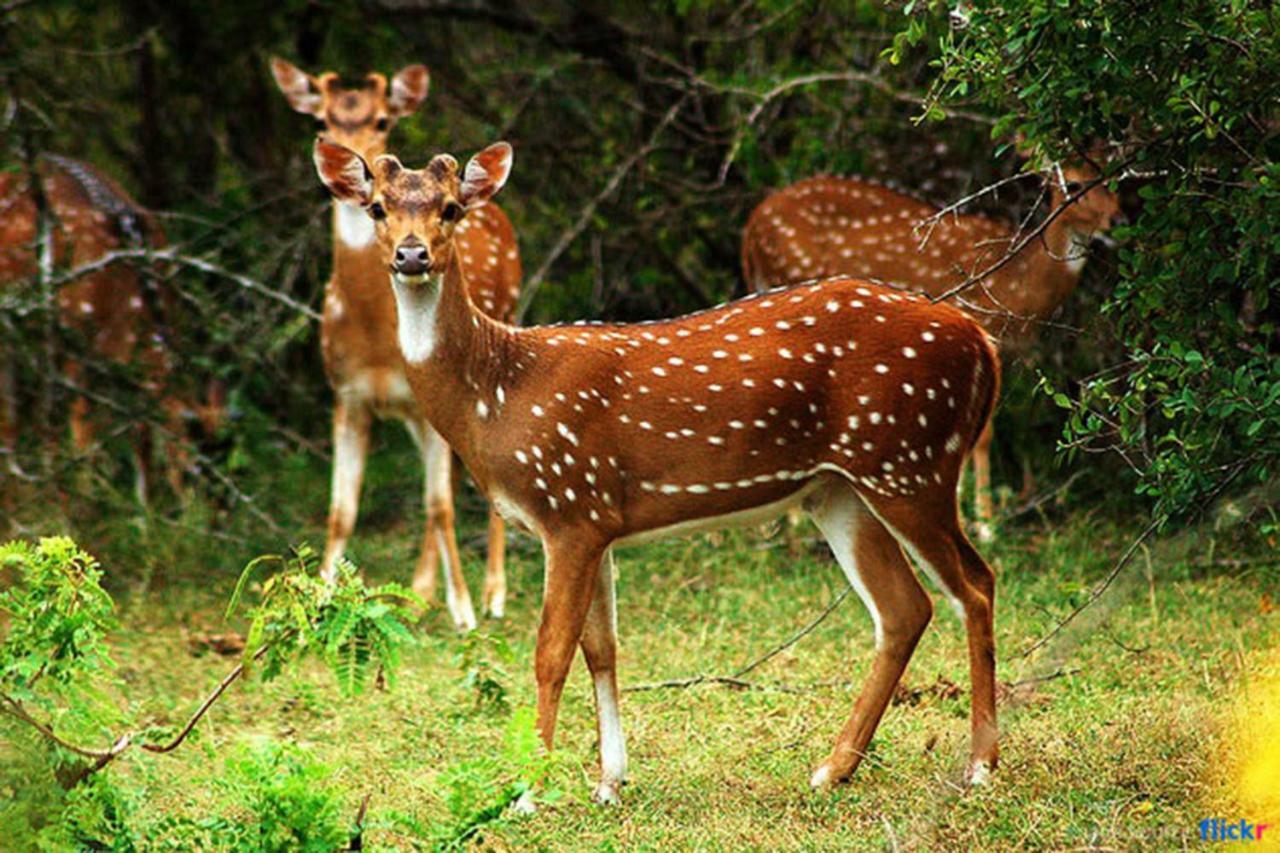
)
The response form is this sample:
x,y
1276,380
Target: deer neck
x,y
454,351
355,250
1048,269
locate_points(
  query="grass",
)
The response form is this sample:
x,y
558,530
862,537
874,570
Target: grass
x,y
1116,734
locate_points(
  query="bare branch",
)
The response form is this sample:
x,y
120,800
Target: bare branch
x,y
172,255
226,682
735,680
588,210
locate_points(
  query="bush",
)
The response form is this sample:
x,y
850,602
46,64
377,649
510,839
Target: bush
x,y
1184,93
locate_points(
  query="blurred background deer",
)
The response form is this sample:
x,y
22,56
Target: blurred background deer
x,y
357,335
826,226
114,312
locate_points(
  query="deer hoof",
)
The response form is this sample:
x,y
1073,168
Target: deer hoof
x,y
822,778
525,805
979,774
606,793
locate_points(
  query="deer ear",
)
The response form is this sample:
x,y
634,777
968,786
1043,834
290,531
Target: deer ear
x,y
485,174
344,172
408,90
298,87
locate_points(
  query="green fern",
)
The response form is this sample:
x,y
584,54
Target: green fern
x,y
354,629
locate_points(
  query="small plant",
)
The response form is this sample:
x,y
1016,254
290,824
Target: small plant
x,y
481,656
53,656
355,630
289,802
481,792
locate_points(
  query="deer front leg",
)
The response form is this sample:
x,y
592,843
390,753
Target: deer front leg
x,y
495,577
569,589
600,648
350,446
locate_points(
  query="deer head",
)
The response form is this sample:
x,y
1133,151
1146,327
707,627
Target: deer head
x,y
415,211
358,116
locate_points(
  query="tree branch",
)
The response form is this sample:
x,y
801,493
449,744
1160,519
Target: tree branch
x,y
172,255
735,680
572,233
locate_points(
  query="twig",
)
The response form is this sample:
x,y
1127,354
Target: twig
x,y
14,709
735,680
1036,501
173,256
226,682
1052,676
588,210
805,631
101,758
694,680
1097,590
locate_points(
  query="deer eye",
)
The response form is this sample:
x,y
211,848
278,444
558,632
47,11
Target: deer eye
x,y
1074,187
377,211
321,124
383,123
452,212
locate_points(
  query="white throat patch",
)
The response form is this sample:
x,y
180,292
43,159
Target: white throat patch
x,y
354,227
416,302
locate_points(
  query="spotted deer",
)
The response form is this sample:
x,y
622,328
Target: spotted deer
x,y
829,226
362,361
117,314
855,401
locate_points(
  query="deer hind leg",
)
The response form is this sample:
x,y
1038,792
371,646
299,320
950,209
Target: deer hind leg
x,y
899,607
600,648
982,504
8,410
81,428
569,592
178,453
143,447
931,533
440,539
495,576
351,421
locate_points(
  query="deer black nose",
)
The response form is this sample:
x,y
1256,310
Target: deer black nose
x,y
411,258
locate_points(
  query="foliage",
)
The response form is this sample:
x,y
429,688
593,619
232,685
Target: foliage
x,y
290,801
483,791
56,676
95,815
482,656
1185,95
356,631
54,660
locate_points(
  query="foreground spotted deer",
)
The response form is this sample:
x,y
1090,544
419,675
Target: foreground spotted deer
x,y
845,226
361,358
117,313
857,402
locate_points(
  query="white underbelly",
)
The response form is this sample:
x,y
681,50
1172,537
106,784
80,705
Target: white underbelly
x,y
387,392
741,518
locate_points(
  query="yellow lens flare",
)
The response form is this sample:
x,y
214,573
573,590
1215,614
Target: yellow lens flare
x,y
1255,735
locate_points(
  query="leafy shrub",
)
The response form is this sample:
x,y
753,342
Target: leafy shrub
x,y
289,802
482,791
1184,92
55,666
354,630
53,655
